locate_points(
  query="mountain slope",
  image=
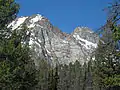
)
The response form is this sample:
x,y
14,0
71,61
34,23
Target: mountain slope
x,y
50,43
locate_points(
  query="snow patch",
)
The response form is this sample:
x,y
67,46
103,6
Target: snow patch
x,y
31,25
39,41
15,24
65,41
31,41
48,51
37,18
87,44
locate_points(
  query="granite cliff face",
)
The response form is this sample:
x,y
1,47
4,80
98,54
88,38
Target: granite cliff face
x,y
50,43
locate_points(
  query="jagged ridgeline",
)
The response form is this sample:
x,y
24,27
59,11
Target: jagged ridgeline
x,y
50,43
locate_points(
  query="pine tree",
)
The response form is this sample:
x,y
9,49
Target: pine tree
x,y
107,54
8,12
63,81
89,81
17,70
42,76
20,69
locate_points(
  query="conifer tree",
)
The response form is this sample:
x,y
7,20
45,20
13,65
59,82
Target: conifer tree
x,y
17,70
107,54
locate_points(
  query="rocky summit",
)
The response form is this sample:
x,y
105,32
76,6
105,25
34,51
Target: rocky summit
x,y
50,43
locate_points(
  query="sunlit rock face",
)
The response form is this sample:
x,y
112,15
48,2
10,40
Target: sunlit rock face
x,y
49,43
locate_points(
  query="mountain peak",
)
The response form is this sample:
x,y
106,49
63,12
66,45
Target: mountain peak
x,y
29,20
82,29
36,18
50,43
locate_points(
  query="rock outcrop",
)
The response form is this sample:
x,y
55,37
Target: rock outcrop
x,y
50,43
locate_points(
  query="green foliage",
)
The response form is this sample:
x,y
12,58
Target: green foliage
x,y
116,33
17,68
8,11
107,59
47,77
114,80
18,71
75,77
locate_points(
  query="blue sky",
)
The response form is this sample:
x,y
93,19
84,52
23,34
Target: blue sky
x,y
67,14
